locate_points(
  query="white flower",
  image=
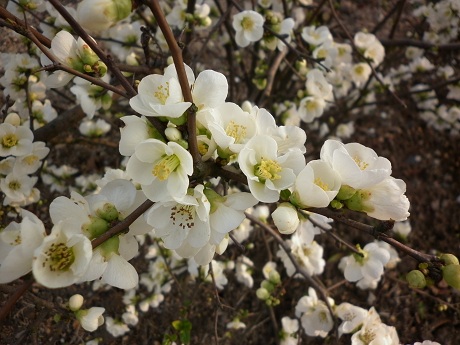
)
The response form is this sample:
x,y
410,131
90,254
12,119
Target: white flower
x,y
286,218
18,242
75,54
230,127
17,187
427,342
384,201
236,324
62,259
29,163
311,108
352,317
244,271
98,15
289,329
360,73
316,35
136,130
90,319
369,265
267,172
91,97
357,165
374,332
115,328
248,26
364,40
91,128
161,169
317,84
314,315
15,141
316,185
184,220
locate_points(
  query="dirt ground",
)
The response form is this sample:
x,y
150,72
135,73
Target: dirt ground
x,y
426,159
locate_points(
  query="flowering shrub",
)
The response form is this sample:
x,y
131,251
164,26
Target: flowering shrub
x,y
212,161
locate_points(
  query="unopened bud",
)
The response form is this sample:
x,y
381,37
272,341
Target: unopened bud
x,y
262,294
451,274
75,302
173,134
96,227
416,279
274,277
285,218
449,259
108,212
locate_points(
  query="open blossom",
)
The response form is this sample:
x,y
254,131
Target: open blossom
x,y
290,327
248,26
357,165
15,140
161,169
316,35
352,317
369,265
62,259
314,315
375,332
17,244
17,187
75,54
90,319
316,185
267,172
161,95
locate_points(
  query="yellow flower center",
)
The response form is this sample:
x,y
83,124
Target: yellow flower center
x,y
247,23
321,184
236,131
14,185
359,69
9,140
165,166
361,164
59,257
267,169
162,93
30,160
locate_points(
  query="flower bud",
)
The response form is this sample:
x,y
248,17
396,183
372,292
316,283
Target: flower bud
x,y
267,285
274,277
96,227
98,15
451,274
173,134
262,294
75,302
285,218
13,119
416,279
108,212
345,192
449,259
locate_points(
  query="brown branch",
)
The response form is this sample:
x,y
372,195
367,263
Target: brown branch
x,y
60,124
419,44
11,301
122,226
93,45
376,232
176,53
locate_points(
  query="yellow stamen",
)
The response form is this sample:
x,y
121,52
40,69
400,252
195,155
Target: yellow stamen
x,y
165,166
267,169
321,184
59,257
361,164
162,93
9,140
238,132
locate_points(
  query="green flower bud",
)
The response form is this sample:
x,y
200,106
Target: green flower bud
x,y
108,212
449,259
416,279
87,55
274,277
99,69
345,192
451,274
267,285
262,294
96,227
110,247
357,202
123,8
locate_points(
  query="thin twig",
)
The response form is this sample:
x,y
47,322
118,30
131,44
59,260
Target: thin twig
x,y
182,76
21,290
93,45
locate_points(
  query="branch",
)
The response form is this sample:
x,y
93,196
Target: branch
x,y
93,45
123,225
176,53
